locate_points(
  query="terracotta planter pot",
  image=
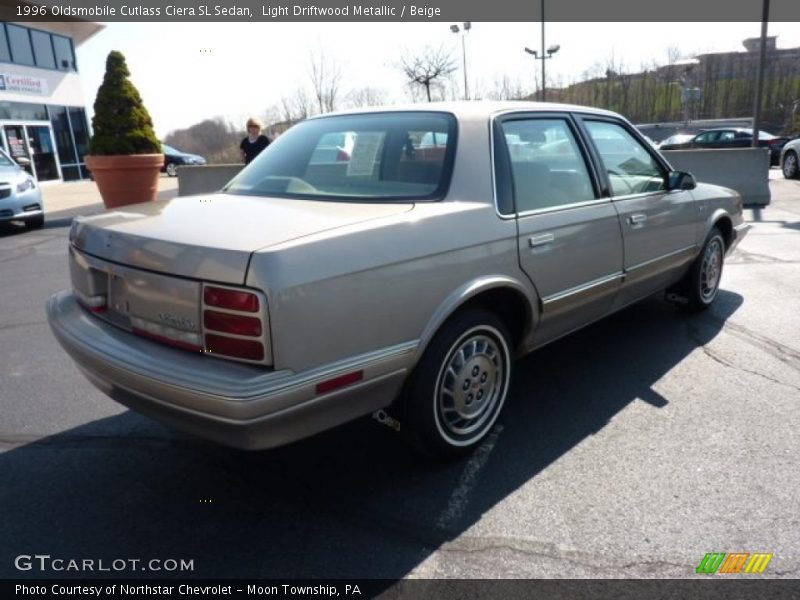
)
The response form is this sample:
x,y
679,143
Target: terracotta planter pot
x,y
126,179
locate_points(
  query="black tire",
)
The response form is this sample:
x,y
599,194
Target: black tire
x,y
448,411
702,283
171,169
791,166
35,222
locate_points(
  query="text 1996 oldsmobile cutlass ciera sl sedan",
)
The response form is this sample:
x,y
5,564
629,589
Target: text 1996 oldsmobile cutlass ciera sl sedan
x,y
400,280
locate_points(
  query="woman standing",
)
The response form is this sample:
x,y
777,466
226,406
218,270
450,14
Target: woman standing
x,y
255,141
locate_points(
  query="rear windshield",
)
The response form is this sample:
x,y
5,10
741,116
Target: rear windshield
x,y
371,157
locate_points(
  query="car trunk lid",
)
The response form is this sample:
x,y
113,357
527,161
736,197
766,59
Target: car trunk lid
x,y
211,237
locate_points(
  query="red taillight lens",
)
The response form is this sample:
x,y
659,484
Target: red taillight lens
x,y
247,349
235,324
230,299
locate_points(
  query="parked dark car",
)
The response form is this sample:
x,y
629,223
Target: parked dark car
x,y
174,157
733,137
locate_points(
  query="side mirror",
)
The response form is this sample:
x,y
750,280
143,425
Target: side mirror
x,y
680,180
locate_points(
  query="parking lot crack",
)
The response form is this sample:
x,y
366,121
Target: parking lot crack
x,y
533,549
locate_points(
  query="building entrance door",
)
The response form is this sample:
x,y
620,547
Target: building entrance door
x,y
31,146
17,146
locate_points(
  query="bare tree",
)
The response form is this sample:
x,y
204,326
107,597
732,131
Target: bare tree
x,y
326,79
506,88
296,107
428,69
366,96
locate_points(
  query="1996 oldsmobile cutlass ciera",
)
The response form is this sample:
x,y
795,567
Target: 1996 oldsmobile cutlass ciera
x,y
403,274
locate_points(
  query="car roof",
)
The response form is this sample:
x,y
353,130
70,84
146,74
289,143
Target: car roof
x,y
474,109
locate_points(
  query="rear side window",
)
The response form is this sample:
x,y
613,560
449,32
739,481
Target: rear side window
x,y
630,167
371,157
547,166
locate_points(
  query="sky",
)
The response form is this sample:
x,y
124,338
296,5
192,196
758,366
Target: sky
x,y
188,72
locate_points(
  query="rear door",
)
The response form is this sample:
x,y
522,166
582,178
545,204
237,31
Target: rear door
x,y
569,239
658,226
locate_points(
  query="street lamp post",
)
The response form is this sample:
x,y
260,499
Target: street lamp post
x,y
542,57
457,29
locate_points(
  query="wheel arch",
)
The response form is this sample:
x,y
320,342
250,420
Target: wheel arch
x,y
513,302
722,221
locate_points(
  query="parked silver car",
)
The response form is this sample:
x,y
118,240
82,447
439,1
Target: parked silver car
x,y
790,159
401,282
20,196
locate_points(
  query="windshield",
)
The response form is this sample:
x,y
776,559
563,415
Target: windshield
x,y
379,156
170,150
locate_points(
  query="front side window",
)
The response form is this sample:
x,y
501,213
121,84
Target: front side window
x,y
547,166
630,167
380,156
708,137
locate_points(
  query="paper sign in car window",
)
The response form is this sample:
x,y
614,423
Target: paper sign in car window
x,y
365,151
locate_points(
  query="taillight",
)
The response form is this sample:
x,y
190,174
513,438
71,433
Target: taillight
x,y
230,323
230,299
234,323
235,347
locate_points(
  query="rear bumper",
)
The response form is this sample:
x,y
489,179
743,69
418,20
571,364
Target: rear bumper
x,y
238,405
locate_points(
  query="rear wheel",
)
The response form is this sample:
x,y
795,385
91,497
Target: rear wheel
x,y
791,169
172,169
458,389
703,279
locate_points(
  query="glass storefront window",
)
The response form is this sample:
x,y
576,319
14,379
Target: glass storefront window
x,y
65,60
20,41
5,55
80,131
33,47
66,151
23,111
43,49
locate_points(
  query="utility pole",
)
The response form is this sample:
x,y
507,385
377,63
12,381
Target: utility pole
x,y
762,59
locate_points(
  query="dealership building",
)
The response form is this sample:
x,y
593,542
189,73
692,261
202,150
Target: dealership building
x,y
43,123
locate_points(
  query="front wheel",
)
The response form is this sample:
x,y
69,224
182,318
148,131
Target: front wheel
x,y
458,389
791,169
706,272
172,170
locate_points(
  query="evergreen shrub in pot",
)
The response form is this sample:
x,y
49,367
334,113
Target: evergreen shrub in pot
x,y
124,153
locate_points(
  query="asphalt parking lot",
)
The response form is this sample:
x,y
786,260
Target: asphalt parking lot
x,y
630,449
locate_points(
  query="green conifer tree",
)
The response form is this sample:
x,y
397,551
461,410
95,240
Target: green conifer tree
x,y
121,123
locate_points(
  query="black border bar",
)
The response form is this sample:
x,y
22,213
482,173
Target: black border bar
x,y
712,11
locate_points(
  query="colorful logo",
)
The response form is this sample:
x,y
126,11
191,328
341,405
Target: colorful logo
x,y
733,562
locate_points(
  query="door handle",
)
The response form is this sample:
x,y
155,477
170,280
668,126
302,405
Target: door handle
x,y
637,218
541,240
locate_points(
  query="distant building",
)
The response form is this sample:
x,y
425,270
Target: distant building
x,y
42,111
727,65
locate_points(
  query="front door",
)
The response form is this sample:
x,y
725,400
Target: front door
x,y
569,241
658,226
